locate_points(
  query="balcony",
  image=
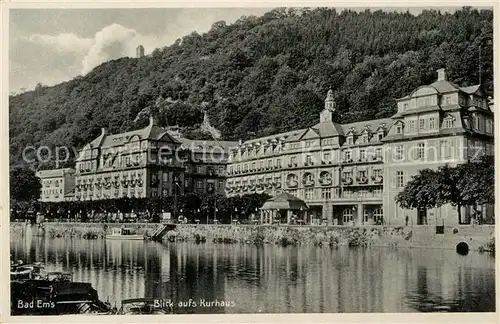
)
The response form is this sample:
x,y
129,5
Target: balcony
x,y
325,181
308,183
362,180
347,181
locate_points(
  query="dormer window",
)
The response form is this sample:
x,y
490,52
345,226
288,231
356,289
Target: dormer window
x,y
350,140
448,122
399,129
364,138
380,135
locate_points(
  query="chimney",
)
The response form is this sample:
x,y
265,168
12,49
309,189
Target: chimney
x,y
152,121
103,131
240,142
441,75
139,51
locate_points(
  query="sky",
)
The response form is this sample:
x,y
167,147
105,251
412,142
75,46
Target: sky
x,y
50,46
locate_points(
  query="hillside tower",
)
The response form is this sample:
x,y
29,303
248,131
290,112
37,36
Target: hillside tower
x,y
139,51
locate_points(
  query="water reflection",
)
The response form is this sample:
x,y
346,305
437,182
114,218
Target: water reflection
x,y
272,279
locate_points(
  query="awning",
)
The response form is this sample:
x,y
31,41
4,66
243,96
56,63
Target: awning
x,y
284,201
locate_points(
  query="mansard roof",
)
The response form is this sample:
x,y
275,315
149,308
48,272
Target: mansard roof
x,y
150,132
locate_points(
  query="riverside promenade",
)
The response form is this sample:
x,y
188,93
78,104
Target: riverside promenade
x,y
477,237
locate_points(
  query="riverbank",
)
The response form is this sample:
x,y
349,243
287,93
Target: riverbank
x,y
478,237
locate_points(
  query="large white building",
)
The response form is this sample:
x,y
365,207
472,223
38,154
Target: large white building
x,y
349,174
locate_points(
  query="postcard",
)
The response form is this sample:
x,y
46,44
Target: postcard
x,y
244,161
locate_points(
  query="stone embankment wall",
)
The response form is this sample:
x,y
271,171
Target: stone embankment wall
x,y
79,230
477,237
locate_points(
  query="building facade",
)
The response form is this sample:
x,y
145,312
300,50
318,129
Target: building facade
x,y
149,162
349,174
57,185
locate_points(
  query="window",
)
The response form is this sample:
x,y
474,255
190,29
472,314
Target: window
x,y
432,123
347,175
56,183
448,122
221,184
350,140
347,216
199,184
378,153
399,153
377,173
293,160
270,164
165,177
246,167
400,179
239,168
405,106
326,193
378,216
445,149
421,123
278,163
362,155
399,129
253,166
310,194
421,151
199,169
362,174
364,138
378,192
231,169
380,136
261,165
327,157
347,155
309,160
489,126
411,126
293,192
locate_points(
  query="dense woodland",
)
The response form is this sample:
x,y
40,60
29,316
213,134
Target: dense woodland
x,y
262,75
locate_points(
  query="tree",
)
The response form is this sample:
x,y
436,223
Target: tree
x,y
24,185
470,184
476,183
420,191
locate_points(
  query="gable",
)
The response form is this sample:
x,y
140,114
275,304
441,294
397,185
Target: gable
x,y
310,134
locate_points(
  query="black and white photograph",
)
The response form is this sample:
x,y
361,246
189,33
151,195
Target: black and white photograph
x,y
249,160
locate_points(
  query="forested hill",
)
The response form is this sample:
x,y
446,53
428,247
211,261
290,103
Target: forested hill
x,y
262,75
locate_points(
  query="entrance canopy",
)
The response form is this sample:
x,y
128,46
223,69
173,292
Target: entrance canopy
x,y
284,201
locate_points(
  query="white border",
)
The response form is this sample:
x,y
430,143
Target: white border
x,y
243,318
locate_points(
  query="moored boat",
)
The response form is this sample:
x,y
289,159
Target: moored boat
x,y
124,234
44,297
144,306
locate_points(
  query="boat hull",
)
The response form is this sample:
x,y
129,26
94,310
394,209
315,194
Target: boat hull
x,y
125,237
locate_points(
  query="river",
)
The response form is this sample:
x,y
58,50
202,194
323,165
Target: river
x,y
272,279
